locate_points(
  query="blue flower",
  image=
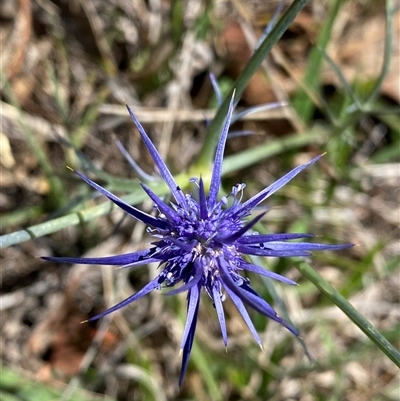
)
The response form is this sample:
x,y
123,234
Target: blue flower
x,y
200,242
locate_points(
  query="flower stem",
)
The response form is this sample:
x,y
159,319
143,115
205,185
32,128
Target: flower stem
x,y
371,332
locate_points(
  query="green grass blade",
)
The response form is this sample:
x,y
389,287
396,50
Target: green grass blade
x,y
302,103
373,334
346,86
390,13
207,152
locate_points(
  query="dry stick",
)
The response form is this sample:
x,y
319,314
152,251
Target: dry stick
x,y
46,130
161,115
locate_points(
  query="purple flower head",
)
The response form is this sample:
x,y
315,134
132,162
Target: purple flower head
x,y
201,240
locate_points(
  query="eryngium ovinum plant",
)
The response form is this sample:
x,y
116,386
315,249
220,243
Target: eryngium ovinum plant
x,y
201,240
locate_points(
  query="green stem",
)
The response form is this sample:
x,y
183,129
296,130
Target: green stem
x,y
372,333
69,220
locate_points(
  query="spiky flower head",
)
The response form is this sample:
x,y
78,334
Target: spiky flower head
x,y
201,240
